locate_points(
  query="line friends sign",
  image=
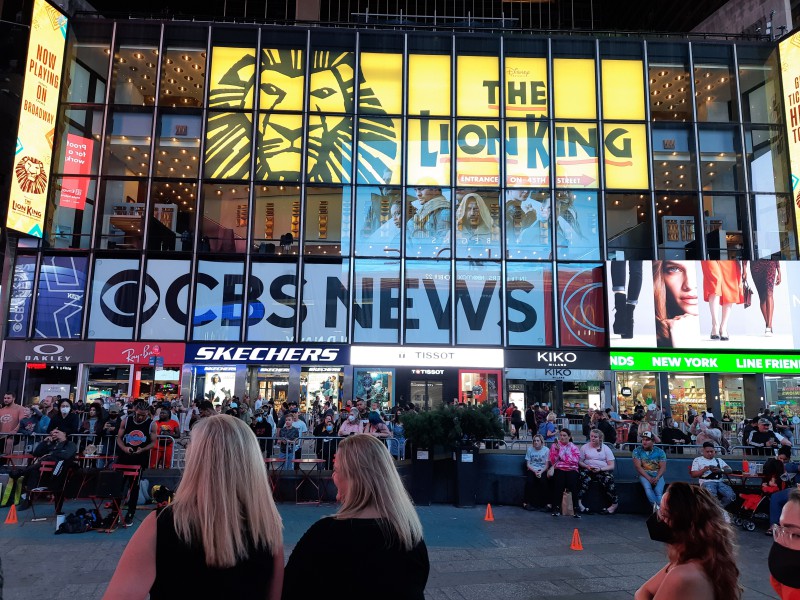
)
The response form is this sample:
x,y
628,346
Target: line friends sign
x,y
30,180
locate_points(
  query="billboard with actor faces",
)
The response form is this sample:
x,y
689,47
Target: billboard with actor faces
x,y
714,304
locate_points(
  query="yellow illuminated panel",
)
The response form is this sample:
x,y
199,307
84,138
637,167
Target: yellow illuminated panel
x,y
625,155
233,73
574,90
478,153
429,152
279,148
526,87
330,143
30,179
331,87
281,80
623,89
576,155
228,141
527,154
790,75
379,151
382,90
478,86
428,84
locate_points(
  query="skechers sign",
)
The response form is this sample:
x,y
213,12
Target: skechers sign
x,y
198,353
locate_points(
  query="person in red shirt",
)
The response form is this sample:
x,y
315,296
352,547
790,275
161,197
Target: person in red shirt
x,y
161,456
11,414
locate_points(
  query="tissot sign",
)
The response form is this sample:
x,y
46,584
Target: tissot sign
x,y
43,351
488,358
262,354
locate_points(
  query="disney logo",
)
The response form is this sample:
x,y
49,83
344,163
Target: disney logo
x,y
516,72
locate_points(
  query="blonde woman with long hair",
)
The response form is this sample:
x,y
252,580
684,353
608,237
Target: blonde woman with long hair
x,y
376,522
222,528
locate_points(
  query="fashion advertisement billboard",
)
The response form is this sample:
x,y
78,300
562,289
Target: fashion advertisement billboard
x,y
714,304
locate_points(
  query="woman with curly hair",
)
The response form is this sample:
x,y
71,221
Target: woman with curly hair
x,y
702,553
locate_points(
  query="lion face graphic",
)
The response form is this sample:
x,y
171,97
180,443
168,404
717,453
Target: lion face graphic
x,y
31,175
330,144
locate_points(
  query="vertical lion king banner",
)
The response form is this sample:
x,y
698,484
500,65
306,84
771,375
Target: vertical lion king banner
x,y
30,182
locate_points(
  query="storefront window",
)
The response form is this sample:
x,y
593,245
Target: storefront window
x,y
107,381
375,386
773,225
183,69
135,65
276,219
327,231
163,384
714,85
269,383
214,383
172,226
87,66
726,228
320,383
783,393
480,387
580,397
177,150
635,387
225,216
677,226
731,389
687,391
674,156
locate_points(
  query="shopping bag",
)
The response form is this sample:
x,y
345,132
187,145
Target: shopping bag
x,y
566,504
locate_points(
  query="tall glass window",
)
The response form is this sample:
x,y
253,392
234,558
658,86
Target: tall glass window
x,y
670,86
715,90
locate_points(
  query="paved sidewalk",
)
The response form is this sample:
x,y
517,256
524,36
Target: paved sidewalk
x,y
520,555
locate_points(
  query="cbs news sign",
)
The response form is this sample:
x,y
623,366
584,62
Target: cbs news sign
x,y
488,118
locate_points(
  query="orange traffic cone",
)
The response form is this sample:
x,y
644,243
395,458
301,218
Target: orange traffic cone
x,y
576,541
11,519
489,516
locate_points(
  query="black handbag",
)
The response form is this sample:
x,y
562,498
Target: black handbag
x,y
748,294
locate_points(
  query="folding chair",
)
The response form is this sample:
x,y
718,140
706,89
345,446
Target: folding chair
x,y
46,469
111,487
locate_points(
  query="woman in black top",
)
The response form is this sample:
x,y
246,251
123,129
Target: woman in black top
x,y
222,529
65,419
376,522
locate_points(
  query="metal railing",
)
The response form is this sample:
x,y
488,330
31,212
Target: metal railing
x,y
93,450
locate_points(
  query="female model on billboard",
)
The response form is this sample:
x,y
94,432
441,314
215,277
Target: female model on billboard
x,y
722,285
675,300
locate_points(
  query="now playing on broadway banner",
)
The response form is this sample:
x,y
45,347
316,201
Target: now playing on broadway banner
x,y
704,304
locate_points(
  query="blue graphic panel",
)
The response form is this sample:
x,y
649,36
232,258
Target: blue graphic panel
x,y
19,306
59,309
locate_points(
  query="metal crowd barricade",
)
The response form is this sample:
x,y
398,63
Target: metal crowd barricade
x,y
684,449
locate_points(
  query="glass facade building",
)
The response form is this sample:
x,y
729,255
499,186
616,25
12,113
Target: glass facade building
x,y
301,190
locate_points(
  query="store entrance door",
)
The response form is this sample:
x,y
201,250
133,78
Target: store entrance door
x,y
426,394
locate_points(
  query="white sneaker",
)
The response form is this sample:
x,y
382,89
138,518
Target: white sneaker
x,y
768,332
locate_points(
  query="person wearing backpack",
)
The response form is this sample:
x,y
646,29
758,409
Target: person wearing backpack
x,y
548,428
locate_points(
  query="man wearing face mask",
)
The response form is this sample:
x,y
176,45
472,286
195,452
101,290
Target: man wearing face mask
x,y
137,435
326,440
65,420
784,556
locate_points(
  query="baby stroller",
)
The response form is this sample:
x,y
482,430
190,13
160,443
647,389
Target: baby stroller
x,y
750,509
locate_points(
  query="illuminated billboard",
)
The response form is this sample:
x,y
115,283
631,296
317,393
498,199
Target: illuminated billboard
x,y
30,182
704,304
465,151
790,76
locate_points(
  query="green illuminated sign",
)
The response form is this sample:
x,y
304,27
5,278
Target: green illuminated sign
x,y
704,363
